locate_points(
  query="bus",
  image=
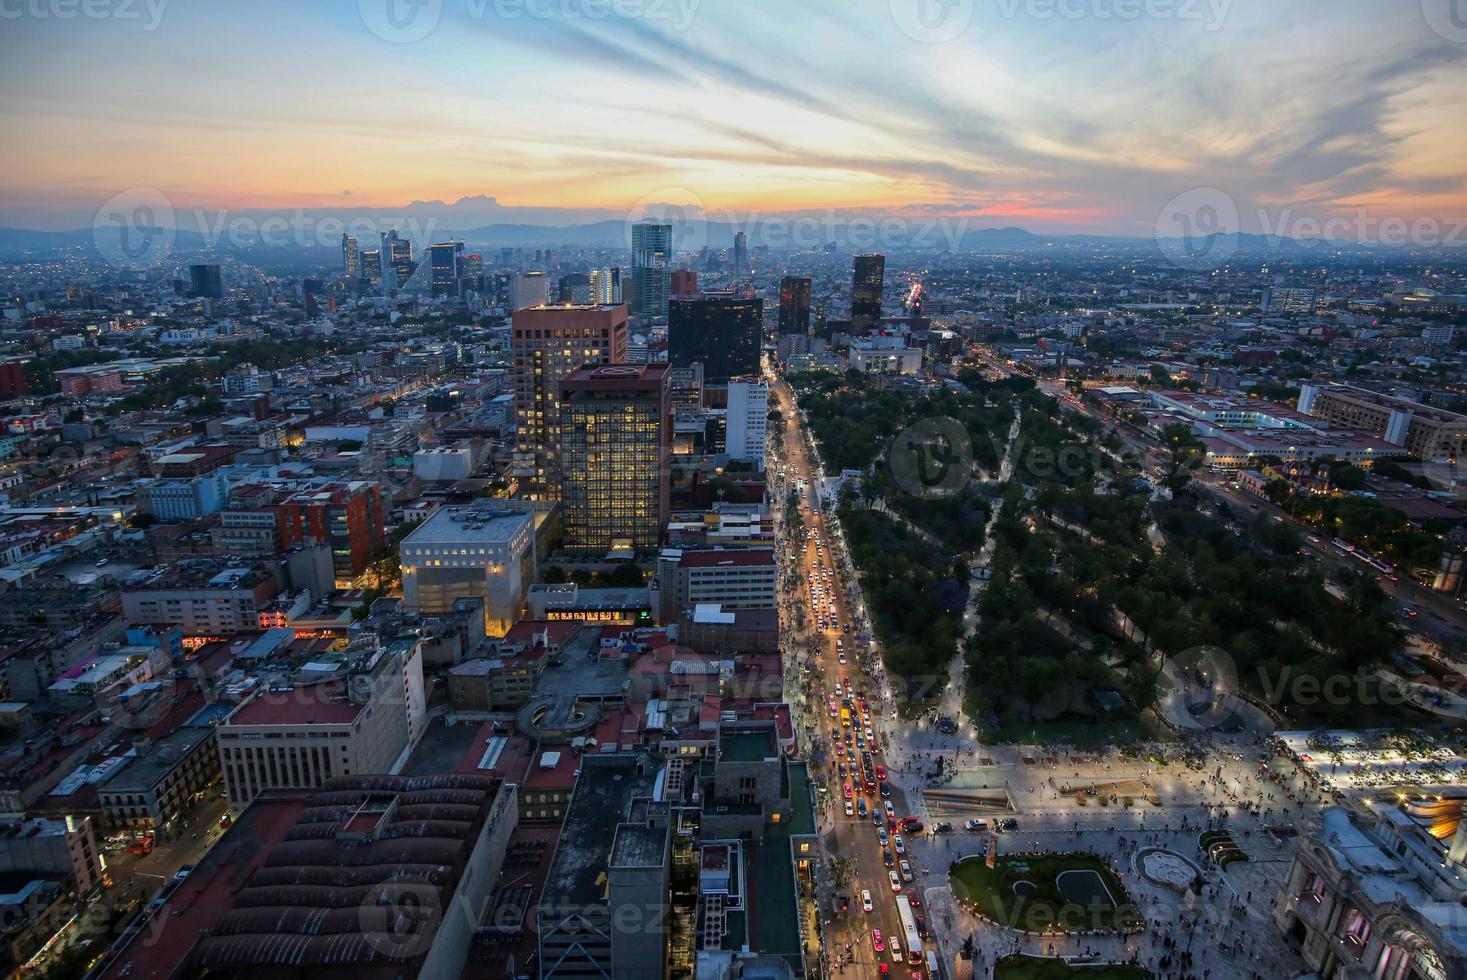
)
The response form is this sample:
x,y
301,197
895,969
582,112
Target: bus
x,y
934,969
909,927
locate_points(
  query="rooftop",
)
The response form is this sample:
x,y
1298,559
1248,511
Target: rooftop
x,y
603,793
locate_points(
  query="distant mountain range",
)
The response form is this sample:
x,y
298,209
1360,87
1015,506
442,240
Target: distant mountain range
x,y
874,234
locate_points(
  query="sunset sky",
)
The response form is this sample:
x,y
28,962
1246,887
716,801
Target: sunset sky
x,y
1027,116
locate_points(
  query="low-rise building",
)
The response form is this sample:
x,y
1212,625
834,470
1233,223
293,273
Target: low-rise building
x,y
65,848
342,715
161,780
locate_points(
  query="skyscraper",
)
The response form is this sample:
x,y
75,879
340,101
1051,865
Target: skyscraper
x,y
721,331
794,305
443,264
205,282
575,287
350,258
747,420
528,289
549,342
868,275
616,427
651,264
606,286
371,265
741,253
397,260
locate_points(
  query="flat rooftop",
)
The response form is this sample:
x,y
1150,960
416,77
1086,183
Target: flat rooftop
x,y
753,746
468,525
603,794
638,847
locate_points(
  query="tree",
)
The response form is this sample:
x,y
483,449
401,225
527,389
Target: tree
x,y
1187,452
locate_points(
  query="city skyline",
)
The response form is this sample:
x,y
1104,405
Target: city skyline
x,y
1025,115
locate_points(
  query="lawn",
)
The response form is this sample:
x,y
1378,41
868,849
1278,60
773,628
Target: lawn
x,y
1052,901
1034,968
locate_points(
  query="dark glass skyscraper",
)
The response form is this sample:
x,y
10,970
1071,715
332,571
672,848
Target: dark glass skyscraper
x,y
724,333
443,263
868,274
794,305
651,270
205,282
616,438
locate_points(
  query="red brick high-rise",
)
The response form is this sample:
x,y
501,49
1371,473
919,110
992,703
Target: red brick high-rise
x,y
346,516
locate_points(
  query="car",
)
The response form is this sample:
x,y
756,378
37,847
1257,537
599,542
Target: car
x,y
876,941
866,904
921,926
861,807
841,768
885,790
890,810
943,827
841,659
847,789
887,859
102,562
876,817
896,881
880,771
850,810
915,900
895,951
1009,823
906,870
898,844
976,825
882,835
